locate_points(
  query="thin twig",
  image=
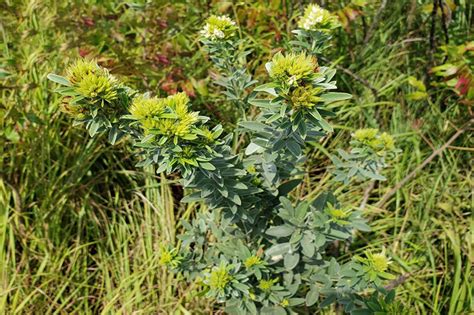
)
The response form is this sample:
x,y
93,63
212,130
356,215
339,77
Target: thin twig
x,y
410,176
395,283
375,22
367,192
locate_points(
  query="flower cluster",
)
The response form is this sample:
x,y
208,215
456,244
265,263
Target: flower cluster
x,y
291,69
375,265
380,143
316,18
169,258
93,82
218,28
218,280
169,117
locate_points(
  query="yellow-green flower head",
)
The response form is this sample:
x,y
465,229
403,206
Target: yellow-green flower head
x,y
305,97
168,116
378,262
145,109
387,141
98,87
80,69
338,214
292,68
169,258
316,18
253,261
218,27
219,278
266,285
165,258
284,303
365,135
381,143
178,103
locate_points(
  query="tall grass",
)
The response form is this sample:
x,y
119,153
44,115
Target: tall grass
x,y
80,226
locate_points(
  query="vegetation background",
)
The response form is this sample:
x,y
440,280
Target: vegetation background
x,y
80,226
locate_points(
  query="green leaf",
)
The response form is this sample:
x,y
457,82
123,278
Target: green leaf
x,y
312,297
294,148
335,97
267,88
58,79
192,197
207,166
291,260
287,187
280,230
253,125
278,250
264,104
273,310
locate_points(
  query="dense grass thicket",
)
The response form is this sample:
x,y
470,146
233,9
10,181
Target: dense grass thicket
x,y
81,226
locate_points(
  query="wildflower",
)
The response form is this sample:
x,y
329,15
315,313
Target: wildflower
x,y
169,258
218,27
376,265
284,303
253,261
387,141
338,216
292,68
316,18
80,69
266,285
379,261
219,278
146,109
305,97
380,143
98,87
365,135
168,116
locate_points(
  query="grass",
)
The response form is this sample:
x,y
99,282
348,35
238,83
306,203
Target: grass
x,y
80,226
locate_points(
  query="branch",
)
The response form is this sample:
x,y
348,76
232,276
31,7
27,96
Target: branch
x,y
375,22
410,176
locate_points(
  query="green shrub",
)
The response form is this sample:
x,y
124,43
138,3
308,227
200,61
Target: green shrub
x,y
255,249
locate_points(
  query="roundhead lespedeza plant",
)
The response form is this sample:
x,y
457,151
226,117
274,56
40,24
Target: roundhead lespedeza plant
x,y
255,249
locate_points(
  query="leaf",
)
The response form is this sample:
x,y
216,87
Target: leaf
x,y
287,187
419,85
207,166
253,125
312,297
273,310
263,103
58,79
192,197
252,148
328,301
269,171
291,260
307,245
94,127
280,231
267,88
278,250
335,97
294,148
